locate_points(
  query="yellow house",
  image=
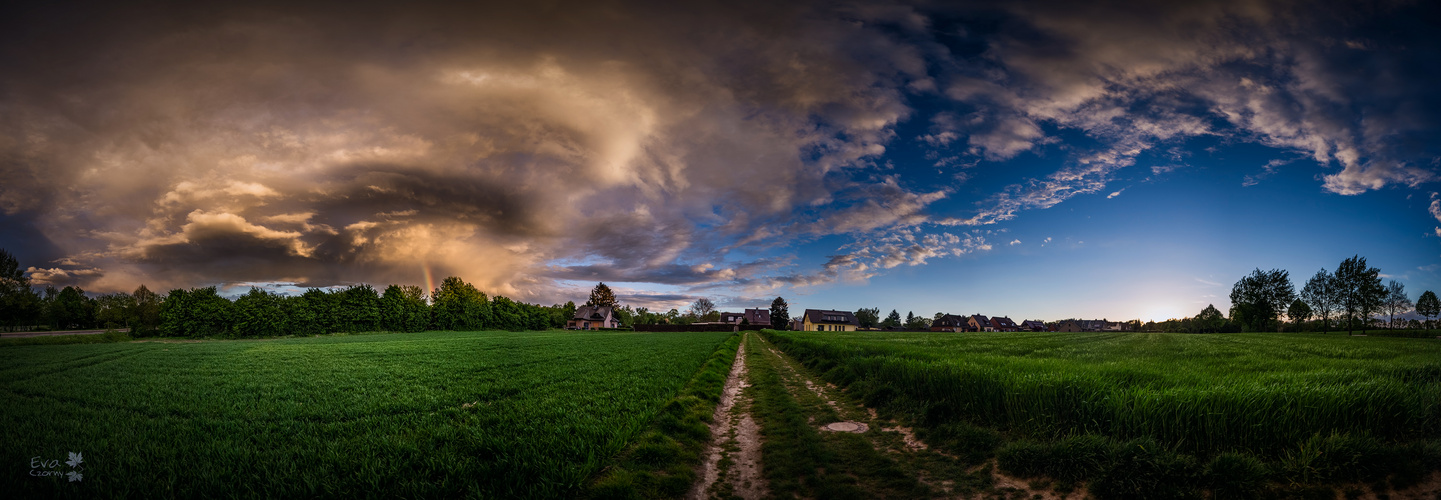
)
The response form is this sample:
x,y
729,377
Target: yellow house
x,y
817,320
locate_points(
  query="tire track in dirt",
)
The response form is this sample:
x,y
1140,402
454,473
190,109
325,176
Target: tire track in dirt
x,y
733,459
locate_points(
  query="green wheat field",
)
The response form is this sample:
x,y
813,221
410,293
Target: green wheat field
x,y
433,414
1291,408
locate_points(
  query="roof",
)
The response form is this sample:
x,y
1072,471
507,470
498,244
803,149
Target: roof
x,y
758,316
592,313
950,320
1003,322
831,317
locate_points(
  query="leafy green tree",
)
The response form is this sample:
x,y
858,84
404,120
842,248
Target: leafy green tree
x,y
403,309
1209,320
259,313
1428,306
914,322
1259,300
114,310
198,312
1299,312
624,316
146,315
780,314
71,309
868,318
702,308
312,313
459,306
893,320
358,309
601,295
18,303
1396,300
506,315
1320,294
1359,291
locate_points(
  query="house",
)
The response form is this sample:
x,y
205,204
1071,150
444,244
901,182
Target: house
x,y
1033,325
797,324
829,321
980,323
1003,324
592,317
950,323
1082,325
759,318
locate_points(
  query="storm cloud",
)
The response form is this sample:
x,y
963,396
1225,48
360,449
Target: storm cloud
x,y
518,146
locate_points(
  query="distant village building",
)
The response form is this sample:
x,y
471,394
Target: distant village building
x,y
980,323
950,323
1033,325
829,321
759,318
1082,325
593,317
1003,324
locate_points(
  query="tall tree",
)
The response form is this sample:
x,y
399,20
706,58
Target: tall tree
x,y
601,295
259,313
1359,291
868,318
18,303
198,312
113,310
403,309
1259,300
702,308
892,320
1428,306
1210,320
914,322
147,312
1396,300
458,305
780,314
1320,294
1299,312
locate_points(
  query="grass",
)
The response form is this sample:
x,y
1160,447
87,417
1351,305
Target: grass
x,y
1123,410
433,414
661,462
801,461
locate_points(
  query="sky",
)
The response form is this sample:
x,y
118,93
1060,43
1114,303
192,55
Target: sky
x,y
1036,160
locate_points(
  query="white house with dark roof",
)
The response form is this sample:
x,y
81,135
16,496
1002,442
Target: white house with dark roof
x,y
592,318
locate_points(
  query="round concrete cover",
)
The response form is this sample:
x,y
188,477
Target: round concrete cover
x,y
844,427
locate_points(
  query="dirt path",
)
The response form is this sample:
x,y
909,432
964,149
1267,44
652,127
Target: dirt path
x,y
841,419
732,464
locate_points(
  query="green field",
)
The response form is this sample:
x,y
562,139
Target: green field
x,y
434,414
1298,408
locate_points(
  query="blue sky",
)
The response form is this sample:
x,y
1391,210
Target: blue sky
x,y
1040,160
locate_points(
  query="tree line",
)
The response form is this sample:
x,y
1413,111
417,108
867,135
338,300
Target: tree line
x,y
455,305
1349,298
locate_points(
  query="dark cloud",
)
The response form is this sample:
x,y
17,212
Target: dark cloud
x,y
514,145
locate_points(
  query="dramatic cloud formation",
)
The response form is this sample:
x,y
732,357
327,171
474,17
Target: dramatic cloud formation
x,y
522,147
